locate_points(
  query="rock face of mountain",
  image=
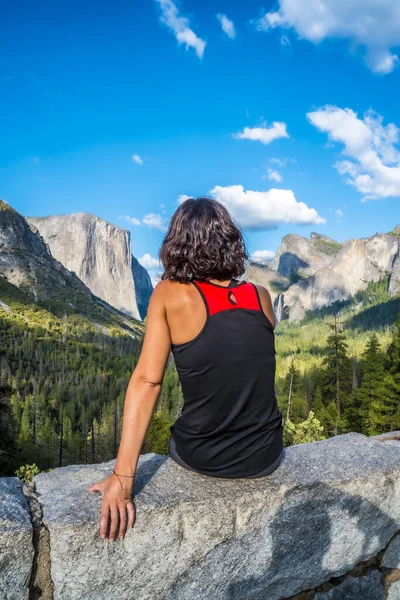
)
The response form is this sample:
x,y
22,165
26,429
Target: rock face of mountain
x,y
143,286
318,271
297,255
100,255
27,263
357,263
25,259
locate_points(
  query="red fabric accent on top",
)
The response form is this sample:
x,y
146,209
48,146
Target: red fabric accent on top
x,y
217,298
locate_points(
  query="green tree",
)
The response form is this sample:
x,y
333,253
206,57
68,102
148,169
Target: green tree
x,y
384,412
295,403
309,430
371,389
158,433
337,377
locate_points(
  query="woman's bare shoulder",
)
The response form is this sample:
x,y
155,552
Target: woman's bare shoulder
x,y
168,291
266,302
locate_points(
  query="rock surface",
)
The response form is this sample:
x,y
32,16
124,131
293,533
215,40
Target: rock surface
x,y
394,591
366,587
143,286
100,255
357,263
16,548
391,557
329,506
26,262
297,255
326,270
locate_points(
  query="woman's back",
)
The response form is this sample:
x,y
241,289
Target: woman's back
x,y
223,343
224,350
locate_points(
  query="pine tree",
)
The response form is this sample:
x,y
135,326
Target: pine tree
x,y
25,432
371,391
384,410
296,402
8,449
336,382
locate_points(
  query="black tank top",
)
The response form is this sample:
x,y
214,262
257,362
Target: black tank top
x,y
230,424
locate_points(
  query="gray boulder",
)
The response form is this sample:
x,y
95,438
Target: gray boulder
x,y
394,591
391,557
366,587
329,506
16,548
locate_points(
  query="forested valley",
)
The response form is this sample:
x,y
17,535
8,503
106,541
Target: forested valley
x,y
63,381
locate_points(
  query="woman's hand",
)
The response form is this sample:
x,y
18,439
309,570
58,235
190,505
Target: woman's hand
x,y
116,502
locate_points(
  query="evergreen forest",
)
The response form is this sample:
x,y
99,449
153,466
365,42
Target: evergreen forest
x,y
63,379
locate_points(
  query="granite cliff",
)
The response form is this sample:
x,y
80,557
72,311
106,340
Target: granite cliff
x,y
100,255
307,274
25,259
27,263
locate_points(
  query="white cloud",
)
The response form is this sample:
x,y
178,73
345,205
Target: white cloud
x,y
266,135
262,256
281,162
131,220
153,266
274,175
264,210
182,198
153,220
285,41
149,263
373,25
278,161
180,26
137,159
227,26
374,165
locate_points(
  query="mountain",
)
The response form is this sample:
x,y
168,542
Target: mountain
x,y
300,256
307,274
100,255
27,263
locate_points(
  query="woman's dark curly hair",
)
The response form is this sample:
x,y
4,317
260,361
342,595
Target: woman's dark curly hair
x,y
202,242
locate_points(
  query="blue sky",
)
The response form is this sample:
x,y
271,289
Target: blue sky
x,y
288,116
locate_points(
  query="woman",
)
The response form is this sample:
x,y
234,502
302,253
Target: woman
x,y
221,332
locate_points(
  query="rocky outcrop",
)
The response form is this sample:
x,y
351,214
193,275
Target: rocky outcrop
x,y
297,255
16,548
100,255
26,262
143,286
323,526
319,271
394,281
357,263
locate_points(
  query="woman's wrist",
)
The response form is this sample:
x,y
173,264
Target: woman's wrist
x,y
126,483
124,468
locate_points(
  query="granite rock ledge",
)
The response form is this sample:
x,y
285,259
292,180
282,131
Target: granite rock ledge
x,y
325,526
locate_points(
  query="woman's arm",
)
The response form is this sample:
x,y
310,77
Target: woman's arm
x,y
141,396
266,303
